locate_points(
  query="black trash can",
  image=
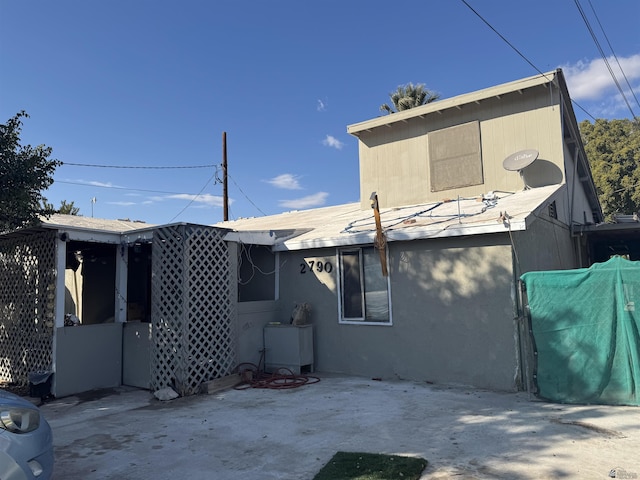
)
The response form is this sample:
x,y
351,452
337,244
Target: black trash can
x,y
40,384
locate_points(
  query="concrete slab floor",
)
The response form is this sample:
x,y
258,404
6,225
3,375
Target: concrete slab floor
x,y
259,434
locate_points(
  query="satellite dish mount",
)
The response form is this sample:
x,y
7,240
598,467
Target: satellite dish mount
x,y
518,161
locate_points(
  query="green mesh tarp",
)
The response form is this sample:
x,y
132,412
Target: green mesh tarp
x,y
585,332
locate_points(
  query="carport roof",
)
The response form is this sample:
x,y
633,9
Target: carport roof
x,y
348,224
61,221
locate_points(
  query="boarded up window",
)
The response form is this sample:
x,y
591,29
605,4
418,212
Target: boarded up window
x,y
455,157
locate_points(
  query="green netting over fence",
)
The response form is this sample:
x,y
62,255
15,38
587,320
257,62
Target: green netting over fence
x,y
585,328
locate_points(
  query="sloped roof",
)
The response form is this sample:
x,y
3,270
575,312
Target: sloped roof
x,y
348,224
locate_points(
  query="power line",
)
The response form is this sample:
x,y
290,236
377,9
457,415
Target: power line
x,y
604,57
614,53
138,167
520,53
245,195
193,199
503,39
122,188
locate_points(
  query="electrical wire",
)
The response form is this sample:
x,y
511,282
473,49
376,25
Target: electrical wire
x,y
193,199
245,195
613,53
520,53
121,188
138,167
504,39
604,57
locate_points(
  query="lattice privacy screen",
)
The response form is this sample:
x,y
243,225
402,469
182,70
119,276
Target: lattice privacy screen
x,y
27,305
193,338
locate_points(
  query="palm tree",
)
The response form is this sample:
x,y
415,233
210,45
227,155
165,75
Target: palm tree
x,y
409,96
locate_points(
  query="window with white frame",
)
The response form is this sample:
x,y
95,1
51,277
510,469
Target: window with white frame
x,y
364,291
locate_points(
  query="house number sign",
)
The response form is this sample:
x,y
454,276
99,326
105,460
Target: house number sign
x,y
318,266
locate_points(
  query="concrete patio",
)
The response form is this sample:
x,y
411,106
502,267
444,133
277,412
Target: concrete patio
x,y
260,434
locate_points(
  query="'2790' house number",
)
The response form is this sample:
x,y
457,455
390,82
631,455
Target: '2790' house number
x,y
318,266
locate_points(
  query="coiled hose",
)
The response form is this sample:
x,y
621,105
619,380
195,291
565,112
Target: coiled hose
x,y
253,377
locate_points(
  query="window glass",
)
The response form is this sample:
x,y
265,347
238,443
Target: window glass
x,y
351,285
376,296
364,290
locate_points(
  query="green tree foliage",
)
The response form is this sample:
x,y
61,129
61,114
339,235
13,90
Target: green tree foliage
x,y
25,171
613,150
65,208
68,208
409,96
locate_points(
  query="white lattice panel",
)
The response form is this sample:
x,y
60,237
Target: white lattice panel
x,y
27,305
192,308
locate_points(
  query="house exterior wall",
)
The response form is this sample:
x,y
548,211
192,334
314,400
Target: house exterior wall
x,y
394,160
452,314
578,208
545,245
252,318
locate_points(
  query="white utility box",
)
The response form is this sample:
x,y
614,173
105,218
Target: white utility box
x,y
288,346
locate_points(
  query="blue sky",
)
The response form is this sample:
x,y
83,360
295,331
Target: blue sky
x,y
156,83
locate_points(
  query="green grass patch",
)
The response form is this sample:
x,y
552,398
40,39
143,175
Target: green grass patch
x,y
371,466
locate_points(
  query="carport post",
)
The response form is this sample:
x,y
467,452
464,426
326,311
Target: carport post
x,y
122,258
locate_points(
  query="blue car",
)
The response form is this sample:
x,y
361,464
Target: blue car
x,y
26,441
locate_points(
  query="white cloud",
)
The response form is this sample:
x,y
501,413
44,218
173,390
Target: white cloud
x,y
286,181
322,106
205,199
591,81
315,200
122,204
331,141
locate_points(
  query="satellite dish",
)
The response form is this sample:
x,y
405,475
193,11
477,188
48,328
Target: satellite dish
x,y
519,160
516,162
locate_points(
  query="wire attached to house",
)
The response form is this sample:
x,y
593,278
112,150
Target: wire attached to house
x,y
520,53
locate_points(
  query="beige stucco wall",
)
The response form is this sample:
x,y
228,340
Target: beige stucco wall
x,y
546,245
452,314
394,160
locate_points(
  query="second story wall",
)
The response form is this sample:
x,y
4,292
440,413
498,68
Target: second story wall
x,y
431,154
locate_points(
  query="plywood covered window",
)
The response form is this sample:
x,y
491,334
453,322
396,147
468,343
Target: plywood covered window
x,y
364,291
455,157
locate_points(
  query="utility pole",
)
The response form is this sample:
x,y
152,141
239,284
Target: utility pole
x,y
225,190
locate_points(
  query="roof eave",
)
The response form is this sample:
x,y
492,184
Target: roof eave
x,y
400,235
454,102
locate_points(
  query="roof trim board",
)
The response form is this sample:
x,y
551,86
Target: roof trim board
x,y
454,102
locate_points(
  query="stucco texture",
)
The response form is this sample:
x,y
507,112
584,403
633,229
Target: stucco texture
x,y
452,308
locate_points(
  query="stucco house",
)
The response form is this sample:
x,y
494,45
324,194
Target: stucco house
x,y
469,193
418,280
